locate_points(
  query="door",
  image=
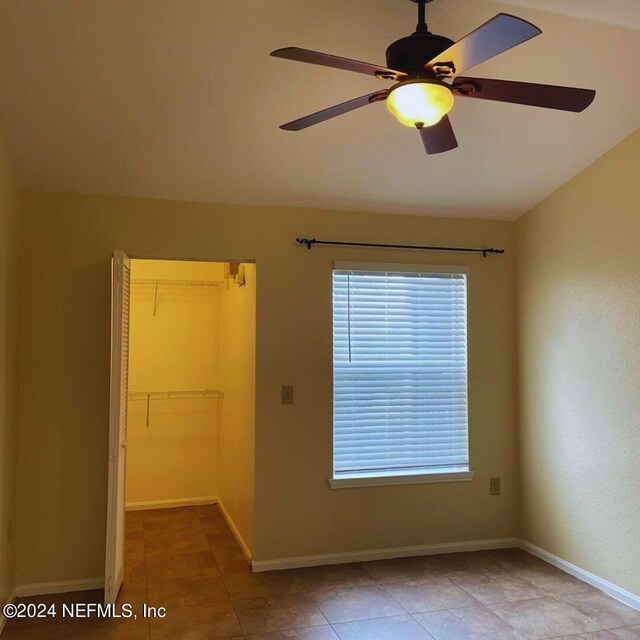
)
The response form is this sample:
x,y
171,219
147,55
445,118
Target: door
x,y
120,296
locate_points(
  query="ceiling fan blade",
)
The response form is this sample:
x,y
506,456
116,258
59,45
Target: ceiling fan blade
x,y
439,138
336,62
501,33
534,95
336,110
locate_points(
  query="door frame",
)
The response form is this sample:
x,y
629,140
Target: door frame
x,y
114,405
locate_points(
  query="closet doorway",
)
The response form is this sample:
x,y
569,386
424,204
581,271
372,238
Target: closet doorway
x,y
181,420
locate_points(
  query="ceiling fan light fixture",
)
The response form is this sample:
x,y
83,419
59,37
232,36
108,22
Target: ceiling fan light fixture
x,y
420,102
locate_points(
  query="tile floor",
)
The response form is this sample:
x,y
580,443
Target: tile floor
x,y
188,561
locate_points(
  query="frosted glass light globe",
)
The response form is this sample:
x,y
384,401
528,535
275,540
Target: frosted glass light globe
x,y
423,103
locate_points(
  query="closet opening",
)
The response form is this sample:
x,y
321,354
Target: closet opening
x,y
181,473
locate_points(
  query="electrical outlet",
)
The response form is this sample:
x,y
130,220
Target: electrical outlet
x,y
287,394
494,486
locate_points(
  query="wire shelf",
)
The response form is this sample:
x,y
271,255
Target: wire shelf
x,y
192,394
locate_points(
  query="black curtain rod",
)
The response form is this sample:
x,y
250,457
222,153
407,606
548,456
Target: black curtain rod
x,y
307,242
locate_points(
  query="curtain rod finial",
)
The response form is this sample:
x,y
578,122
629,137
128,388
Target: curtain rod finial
x,y
306,242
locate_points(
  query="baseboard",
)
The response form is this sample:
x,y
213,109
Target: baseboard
x,y
47,588
236,532
624,596
382,554
10,599
167,504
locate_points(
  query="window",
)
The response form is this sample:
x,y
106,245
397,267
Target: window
x,y
400,375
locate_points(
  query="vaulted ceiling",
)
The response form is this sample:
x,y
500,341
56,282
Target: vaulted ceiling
x,y
179,99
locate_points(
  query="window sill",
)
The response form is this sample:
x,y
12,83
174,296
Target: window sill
x,y
441,475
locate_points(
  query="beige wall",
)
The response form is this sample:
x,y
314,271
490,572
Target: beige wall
x,y
237,417
579,311
175,456
9,245
65,365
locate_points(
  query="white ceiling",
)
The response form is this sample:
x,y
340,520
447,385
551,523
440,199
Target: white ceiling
x,y
624,13
179,99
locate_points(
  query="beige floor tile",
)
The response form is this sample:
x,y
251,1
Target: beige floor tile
x,y
430,595
400,570
450,562
176,538
134,532
495,586
231,561
606,612
159,528
398,628
312,633
29,631
208,511
357,603
200,564
470,623
332,576
135,568
76,630
243,585
513,558
134,594
552,581
173,514
277,613
616,634
124,629
224,541
543,618
210,622
134,547
186,592
188,560
212,525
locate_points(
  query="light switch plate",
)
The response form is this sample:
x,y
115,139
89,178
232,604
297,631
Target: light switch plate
x,y
494,486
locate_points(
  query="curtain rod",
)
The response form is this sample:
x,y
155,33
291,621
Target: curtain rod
x,y
309,242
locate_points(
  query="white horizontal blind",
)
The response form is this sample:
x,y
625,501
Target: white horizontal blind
x,y
400,372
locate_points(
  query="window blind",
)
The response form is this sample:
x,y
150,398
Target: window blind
x,y
400,372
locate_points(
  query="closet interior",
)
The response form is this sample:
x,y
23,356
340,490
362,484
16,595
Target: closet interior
x,y
191,388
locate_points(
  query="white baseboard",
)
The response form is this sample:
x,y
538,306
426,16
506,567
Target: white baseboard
x,y
47,588
10,599
382,554
236,532
624,596
167,504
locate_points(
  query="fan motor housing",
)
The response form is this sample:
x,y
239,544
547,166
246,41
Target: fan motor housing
x,y
411,53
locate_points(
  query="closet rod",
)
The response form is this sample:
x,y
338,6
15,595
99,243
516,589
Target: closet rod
x,y
174,283
309,242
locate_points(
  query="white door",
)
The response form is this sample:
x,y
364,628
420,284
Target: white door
x,y
120,296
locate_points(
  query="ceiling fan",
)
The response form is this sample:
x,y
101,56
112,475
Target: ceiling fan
x,y
425,68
